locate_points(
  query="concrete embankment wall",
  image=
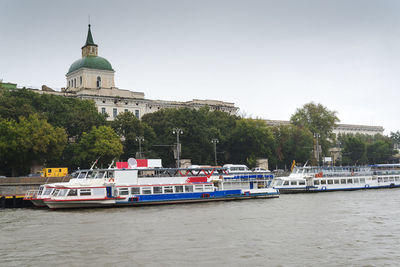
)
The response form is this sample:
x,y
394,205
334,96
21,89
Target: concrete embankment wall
x,y
13,189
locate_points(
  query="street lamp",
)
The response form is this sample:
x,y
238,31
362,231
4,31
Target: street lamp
x,y
215,141
177,131
140,139
317,136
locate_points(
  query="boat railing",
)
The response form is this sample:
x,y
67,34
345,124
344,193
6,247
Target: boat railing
x,y
31,194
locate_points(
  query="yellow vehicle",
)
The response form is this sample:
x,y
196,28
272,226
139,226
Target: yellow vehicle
x,y
54,172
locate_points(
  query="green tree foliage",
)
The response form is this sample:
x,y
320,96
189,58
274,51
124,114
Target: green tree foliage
x,y
199,127
100,143
128,127
362,149
30,140
395,137
319,120
251,139
292,143
74,115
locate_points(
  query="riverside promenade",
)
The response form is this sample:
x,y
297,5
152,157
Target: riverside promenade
x,y
13,189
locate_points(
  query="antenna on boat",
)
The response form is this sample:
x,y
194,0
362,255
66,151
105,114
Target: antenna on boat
x,y
112,162
305,163
95,163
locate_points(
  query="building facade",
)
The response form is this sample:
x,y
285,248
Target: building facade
x,y
340,128
92,77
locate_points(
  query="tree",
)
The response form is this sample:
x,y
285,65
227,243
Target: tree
x,y
199,127
319,120
31,141
292,143
100,143
128,127
251,139
354,150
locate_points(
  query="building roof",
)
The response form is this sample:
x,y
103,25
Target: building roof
x,y
91,62
89,39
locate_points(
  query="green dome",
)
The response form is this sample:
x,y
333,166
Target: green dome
x,y
91,62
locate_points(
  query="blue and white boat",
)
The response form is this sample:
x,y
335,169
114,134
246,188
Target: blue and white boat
x,y
149,186
321,179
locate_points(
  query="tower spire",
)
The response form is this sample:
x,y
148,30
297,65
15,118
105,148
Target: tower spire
x,y
89,38
90,48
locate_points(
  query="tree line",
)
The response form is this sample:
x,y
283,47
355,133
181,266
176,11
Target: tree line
x,y
56,131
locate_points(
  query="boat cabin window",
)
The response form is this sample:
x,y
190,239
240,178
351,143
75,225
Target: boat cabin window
x,y
396,178
123,191
336,181
293,182
73,192
349,181
135,190
85,192
323,181
188,188
279,182
168,189
178,188
48,191
356,180
330,181
62,193
286,183
302,182
146,190
100,174
362,180
343,181
198,188
316,182
40,190
385,179
55,193
81,175
157,190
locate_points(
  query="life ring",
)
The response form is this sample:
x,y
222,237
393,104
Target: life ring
x,y
111,180
205,195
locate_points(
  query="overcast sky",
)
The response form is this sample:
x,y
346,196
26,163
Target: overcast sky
x,y
268,57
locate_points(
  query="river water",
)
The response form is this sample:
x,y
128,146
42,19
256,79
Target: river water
x,y
359,228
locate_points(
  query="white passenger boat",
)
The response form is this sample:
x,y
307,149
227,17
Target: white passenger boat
x,y
322,179
146,186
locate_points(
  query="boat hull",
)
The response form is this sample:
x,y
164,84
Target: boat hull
x,y
329,189
137,201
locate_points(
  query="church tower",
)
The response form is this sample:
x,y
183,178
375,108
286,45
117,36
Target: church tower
x,y
91,71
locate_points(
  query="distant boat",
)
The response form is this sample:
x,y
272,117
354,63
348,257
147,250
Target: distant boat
x,y
309,179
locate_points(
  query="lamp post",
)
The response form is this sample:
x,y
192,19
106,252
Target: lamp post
x,y
317,136
140,139
215,141
177,131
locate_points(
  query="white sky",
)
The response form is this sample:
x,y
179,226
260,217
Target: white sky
x,y
268,57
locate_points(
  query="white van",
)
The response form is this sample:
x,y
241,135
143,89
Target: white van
x,y
233,168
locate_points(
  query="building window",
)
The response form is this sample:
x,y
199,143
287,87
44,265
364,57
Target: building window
x,y
114,112
126,110
74,82
80,78
69,83
98,84
103,110
137,113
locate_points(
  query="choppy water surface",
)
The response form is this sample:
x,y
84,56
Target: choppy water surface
x,y
338,228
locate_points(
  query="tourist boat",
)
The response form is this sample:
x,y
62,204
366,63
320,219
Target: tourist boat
x,y
322,179
46,190
146,186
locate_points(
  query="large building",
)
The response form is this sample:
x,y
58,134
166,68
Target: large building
x,y
341,128
92,77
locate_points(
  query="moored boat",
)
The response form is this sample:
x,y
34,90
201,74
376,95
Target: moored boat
x,y
149,186
332,178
